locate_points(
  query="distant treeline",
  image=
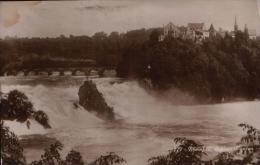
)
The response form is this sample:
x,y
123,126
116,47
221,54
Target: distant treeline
x,y
214,68
105,49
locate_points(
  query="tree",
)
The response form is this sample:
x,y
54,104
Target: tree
x,y
224,158
51,155
187,152
16,106
248,151
99,36
11,149
154,36
74,158
109,159
249,144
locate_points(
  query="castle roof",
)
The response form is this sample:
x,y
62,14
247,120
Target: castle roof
x,y
196,26
212,28
170,25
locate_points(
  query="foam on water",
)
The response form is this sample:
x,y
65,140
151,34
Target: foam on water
x,y
57,102
135,105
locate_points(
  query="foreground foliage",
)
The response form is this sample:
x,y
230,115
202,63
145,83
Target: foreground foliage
x,y
109,159
52,156
16,106
11,149
189,152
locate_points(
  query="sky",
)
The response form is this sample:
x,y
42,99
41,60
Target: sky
x,y
53,18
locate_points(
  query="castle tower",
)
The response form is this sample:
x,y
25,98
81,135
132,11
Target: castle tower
x,y
211,28
246,31
235,26
212,31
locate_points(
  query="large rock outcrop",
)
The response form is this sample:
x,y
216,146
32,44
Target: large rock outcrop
x,y
92,100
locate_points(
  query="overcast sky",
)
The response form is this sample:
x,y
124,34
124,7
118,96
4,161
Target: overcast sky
x,y
53,18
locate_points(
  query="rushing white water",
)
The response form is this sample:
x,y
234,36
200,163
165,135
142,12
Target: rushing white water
x,y
147,124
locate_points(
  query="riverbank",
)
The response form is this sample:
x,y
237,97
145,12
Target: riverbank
x,y
179,97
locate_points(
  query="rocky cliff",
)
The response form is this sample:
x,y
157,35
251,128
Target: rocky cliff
x,y
92,100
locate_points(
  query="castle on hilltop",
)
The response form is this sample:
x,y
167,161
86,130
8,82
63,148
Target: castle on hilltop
x,y
192,31
199,32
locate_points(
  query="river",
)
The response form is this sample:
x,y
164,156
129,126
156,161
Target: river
x,y
145,125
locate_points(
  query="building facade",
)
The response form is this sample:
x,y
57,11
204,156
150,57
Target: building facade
x,y
194,31
252,34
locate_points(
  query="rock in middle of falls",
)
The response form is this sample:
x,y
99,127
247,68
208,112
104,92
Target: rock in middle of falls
x,y
92,100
